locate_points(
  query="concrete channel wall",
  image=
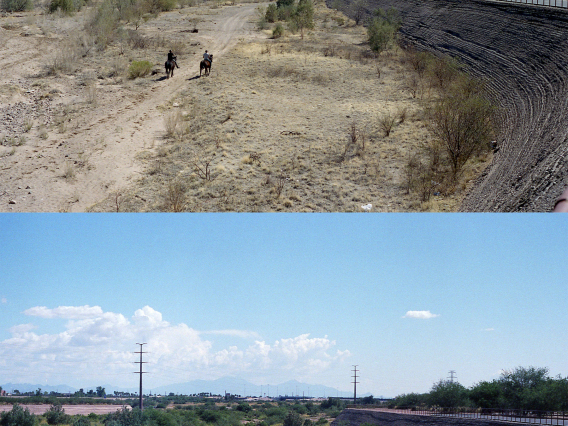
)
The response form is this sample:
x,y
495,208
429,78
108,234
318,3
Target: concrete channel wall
x,y
522,51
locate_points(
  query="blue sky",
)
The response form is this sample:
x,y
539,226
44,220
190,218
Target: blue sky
x,y
271,298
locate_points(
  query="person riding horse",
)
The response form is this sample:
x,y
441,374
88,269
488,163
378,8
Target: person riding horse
x,y
172,58
206,63
207,57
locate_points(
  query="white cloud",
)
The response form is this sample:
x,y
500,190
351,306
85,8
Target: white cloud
x,y
244,334
420,314
65,312
4,300
93,343
488,329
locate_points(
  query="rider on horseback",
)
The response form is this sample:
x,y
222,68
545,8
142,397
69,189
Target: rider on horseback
x,y
172,58
207,57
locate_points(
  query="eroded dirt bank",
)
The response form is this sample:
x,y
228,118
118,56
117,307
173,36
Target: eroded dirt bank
x,y
521,50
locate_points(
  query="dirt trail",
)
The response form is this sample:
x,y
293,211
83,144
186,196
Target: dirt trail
x,y
116,130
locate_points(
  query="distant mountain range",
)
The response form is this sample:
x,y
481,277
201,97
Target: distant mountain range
x,y
232,385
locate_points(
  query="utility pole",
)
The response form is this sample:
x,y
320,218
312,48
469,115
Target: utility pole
x,y
452,373
140,372
355,384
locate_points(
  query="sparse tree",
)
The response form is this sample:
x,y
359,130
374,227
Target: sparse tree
x,y
358,10
463,125
303,17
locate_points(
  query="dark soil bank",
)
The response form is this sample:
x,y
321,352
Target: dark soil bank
x,y
522,51
355,417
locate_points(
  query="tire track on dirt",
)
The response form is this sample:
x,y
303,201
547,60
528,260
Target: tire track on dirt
x,y
111,153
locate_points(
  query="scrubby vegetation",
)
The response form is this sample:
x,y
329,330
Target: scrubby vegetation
x,y
208,412
521,388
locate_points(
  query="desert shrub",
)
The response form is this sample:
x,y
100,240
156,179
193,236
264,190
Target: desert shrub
x,y
81,421
103,23
56,415
65,6
271,13
383,28
303,16
139,69
155,6
387,122
284,3
16,5
293,419
443,71
18,416
261,22
62,61
278,31
461,120
285,12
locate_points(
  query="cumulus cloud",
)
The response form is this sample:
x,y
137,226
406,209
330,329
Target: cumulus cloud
x,y
420,314
94,343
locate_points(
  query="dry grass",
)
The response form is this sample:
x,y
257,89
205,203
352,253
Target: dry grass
x,y
292,126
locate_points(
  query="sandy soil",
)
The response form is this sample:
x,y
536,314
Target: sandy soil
x,y
268,130
70,409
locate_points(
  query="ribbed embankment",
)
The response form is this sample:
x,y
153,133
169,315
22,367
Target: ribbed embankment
x,y
357,417
522,51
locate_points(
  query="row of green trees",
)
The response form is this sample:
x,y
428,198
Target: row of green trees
x,y
524,388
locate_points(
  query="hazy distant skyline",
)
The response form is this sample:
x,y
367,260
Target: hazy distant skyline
x,y
272,298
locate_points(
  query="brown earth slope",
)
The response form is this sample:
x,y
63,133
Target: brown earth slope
x,y
521,50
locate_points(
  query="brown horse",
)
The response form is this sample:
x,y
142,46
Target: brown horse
x,y
205,65
170,65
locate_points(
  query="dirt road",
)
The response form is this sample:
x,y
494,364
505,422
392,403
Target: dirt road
x,y
94,152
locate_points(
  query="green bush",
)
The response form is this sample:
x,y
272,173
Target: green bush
x,y
271,14
16,5
139,69
278,31
18,417
81,421
56,415
66,6
383,28
103,23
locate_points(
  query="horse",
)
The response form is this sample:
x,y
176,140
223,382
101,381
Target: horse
x,y
170,66
205,65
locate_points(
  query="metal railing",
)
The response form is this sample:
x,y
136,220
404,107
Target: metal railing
x,y
551,3
536,417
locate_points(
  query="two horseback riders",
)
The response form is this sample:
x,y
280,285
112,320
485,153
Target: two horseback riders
x,y
170,64
205,64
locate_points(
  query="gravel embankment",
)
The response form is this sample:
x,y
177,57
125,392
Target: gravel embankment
x,y
357,417
522,52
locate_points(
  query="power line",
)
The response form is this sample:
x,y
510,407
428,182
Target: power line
x,y
141,372
355,384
